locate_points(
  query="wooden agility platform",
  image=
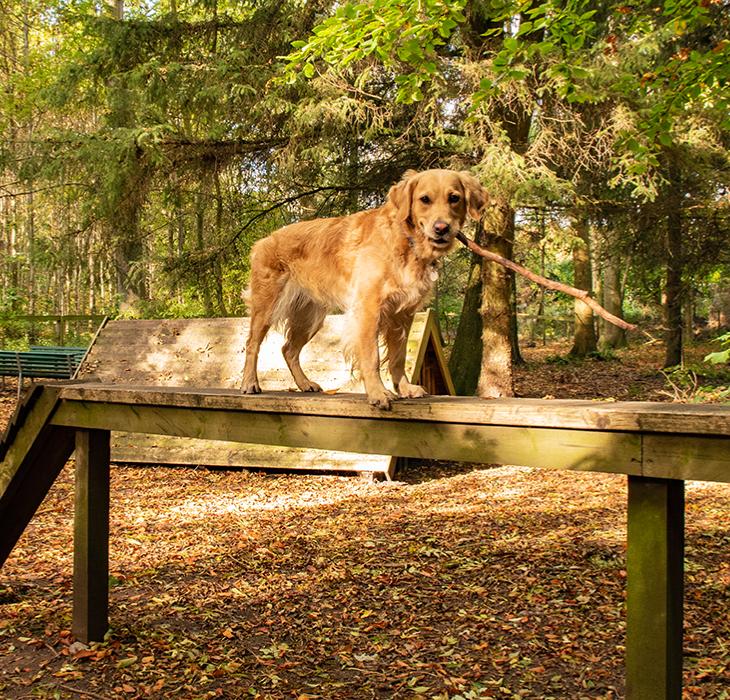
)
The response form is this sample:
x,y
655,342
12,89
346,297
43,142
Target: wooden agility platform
x,y
658,447
209,354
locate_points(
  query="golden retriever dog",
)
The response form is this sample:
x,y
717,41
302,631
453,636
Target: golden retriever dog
x,y
378,266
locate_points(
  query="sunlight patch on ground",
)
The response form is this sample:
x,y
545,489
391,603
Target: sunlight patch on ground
x,y
236,503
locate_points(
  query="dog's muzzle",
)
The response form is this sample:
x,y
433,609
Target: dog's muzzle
x,y
441,234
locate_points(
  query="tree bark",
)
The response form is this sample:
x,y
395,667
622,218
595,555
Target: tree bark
x,y
128,199
200,240
466,353
495,378
673,291
584,338
688,314
612,336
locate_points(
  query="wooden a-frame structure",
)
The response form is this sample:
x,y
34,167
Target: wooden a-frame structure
x,y
209,353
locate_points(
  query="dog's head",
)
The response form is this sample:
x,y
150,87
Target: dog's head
x,y
435,203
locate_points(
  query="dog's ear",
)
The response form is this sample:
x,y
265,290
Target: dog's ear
x,y
399,194
476,196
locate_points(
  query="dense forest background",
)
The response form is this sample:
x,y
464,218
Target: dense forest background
x,y
146,145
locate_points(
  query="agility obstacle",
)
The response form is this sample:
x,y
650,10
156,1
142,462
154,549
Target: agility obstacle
x,y
209,353
658,447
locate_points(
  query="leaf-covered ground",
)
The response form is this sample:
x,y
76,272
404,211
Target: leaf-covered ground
x,y
456,581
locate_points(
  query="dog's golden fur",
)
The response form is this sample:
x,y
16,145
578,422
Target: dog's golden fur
x,y
378,266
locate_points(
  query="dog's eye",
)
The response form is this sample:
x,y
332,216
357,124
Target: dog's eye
x,y
426,199
454,198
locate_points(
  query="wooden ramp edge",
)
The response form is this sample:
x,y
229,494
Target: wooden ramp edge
x,y
33,453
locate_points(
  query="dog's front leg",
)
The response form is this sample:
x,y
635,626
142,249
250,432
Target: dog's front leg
x,y
367,355
396,340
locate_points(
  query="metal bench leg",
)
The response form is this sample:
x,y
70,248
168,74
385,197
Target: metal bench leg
x,y
655,589
91,536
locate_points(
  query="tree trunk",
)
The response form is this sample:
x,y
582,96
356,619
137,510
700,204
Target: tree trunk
x,y
124,222
30,183
688,311
129,249
584,337
612,337
673,287
217,267
200,239
495,379
466,353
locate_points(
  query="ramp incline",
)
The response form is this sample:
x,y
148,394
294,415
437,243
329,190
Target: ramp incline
x,y
32,454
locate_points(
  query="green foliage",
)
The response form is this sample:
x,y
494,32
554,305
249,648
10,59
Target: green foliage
x,y
721,356
401,35
697,384
160,147
650,67
549,37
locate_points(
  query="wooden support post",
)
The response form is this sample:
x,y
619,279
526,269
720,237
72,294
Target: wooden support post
x,y
655,589
91,536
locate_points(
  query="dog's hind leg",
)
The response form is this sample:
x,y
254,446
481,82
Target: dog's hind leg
x,y
305,318
267,286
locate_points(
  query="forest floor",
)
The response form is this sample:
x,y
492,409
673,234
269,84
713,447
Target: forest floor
x,y
454,582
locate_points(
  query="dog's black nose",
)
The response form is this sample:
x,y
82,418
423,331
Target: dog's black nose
x,y
441,228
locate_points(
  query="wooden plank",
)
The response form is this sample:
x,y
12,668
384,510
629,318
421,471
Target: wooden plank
x,y
197,352
22,410
645,417
703,458
137,448
567,449
25,429
91,536
31,464
655,589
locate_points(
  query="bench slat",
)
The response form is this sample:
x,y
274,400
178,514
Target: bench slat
x,y
53,363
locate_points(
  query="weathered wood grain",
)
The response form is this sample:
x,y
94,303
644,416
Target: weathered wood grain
x,y
32,461
646,417
687,457
139,448
655,589
538,447
91,536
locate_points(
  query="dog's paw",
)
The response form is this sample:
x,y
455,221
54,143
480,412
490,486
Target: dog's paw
x,y
382,400
411,391
251,388
310,386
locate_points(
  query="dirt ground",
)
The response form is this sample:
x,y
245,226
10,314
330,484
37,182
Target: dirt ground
x,y
454,582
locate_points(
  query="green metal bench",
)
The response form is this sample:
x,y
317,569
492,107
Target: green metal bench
x,y
59,349
51,362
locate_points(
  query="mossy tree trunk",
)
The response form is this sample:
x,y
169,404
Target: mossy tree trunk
x,y
496,309
584,336
465,360
612,336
